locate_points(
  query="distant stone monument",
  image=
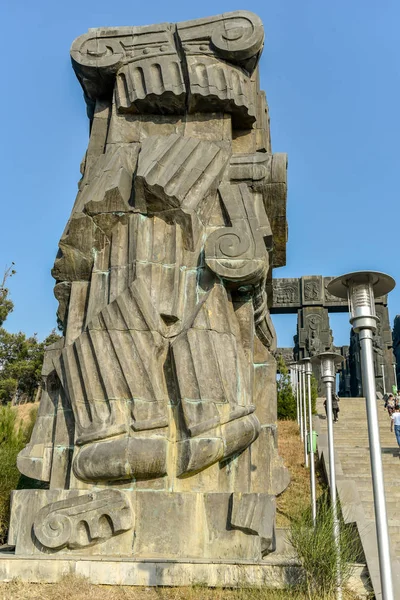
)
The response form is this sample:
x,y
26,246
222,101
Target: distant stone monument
x,y
156,431
309,297
396,349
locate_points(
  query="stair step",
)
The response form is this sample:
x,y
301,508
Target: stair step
x,y
352,449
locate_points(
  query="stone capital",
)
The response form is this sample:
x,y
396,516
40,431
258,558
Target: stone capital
x,y
206,63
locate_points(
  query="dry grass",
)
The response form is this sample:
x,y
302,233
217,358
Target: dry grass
x,y
74,588
25,412
296,498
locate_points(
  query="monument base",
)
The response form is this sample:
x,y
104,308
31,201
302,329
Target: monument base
x,y
273,572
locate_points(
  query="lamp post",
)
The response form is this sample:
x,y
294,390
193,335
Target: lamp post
x,y
297,393
383,378
295,388
360,288
303,378
308,372
328,362
300,403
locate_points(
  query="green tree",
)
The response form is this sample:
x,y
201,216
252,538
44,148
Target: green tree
x,y
21,357
286,400
21,361
6,305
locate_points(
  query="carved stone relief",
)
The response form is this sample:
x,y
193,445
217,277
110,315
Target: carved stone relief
x,y
286,292
83,520
165,378
312,290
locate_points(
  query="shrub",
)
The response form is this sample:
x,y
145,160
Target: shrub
x,y
286,405
316,549
14,435
12,440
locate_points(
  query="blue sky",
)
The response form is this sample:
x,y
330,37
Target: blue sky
x,y
331,74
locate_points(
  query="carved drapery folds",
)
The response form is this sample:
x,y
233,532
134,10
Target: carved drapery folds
x,y
165,379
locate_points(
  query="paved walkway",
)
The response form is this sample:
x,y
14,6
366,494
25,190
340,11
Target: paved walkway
x,y
353,465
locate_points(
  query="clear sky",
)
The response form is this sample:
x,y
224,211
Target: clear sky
x,y
331,74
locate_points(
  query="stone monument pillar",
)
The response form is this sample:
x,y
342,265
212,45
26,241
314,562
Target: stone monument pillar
x,y
344,373
383,346
396,347
156,432
313,336
384,358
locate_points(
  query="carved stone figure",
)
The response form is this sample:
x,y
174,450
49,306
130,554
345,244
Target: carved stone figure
x,y
311,291
313,335
284,293
156,431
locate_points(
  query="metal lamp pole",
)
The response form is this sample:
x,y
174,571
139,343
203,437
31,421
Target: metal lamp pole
x,y
300,403
360,288
308,372
295,387
383,379
303,378
328,362
297,394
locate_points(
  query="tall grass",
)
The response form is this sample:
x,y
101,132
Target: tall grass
x,y
14,434
316,549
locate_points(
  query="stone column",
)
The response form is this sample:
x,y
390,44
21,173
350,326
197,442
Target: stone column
x,y
157,426
313,335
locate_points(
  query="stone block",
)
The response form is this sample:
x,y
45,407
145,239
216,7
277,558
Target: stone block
x,y
54,521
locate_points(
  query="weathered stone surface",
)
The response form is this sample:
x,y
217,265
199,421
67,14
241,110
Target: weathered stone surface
x,y
275,571
103,515
254,513
156,431
154,59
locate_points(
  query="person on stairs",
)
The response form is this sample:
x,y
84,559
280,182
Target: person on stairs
x,y
390,405
395,421
335,407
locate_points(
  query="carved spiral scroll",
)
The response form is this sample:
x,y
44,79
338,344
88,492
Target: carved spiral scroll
x,y
58,524
230,254
89,50
239,35
231,243
54,530
237,253
110,47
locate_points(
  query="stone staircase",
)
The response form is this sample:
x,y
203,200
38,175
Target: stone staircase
x,y
354,484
